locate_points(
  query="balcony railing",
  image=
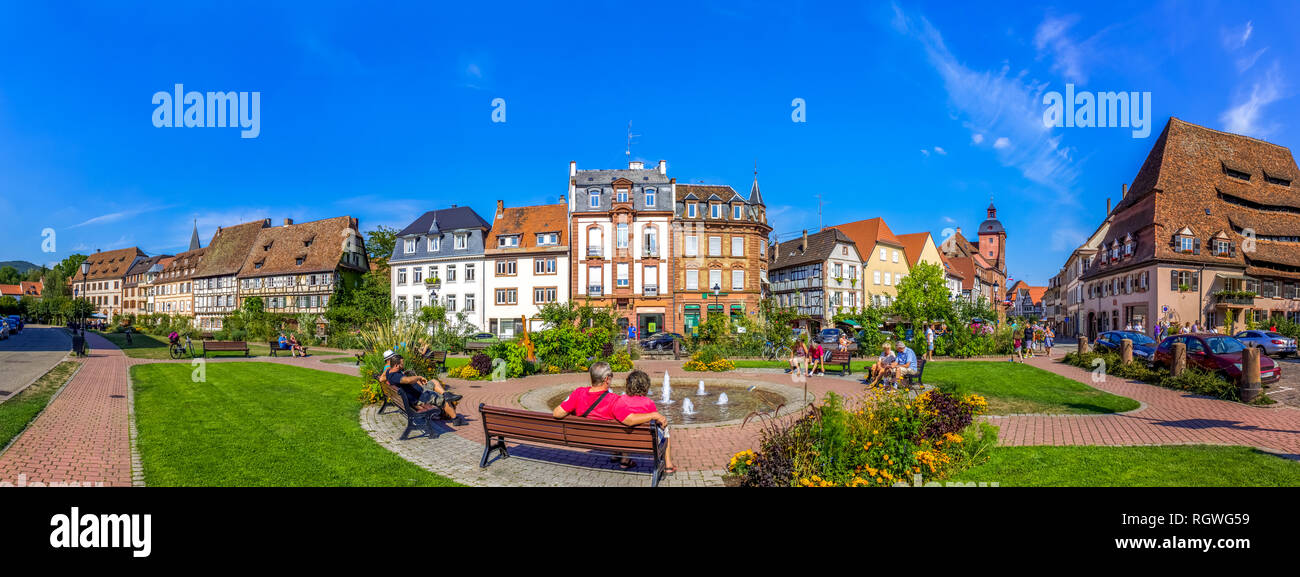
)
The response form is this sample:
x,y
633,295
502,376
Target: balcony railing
x,y
1234,299
650,290
595,290
594,251
651,252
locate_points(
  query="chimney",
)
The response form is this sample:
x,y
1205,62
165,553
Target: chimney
x,y
288,221
573,168
1108,206
635,165
1123,190
501,208
804,247
563,199
663,167
959,230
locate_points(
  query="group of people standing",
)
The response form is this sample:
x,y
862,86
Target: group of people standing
x,y
1031,337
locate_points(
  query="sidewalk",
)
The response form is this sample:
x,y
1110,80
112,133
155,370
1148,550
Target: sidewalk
x,y
83,436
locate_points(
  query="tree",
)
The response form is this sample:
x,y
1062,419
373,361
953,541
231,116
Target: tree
x,y
70,267
923,296
8,304
254,306
380,244
9,275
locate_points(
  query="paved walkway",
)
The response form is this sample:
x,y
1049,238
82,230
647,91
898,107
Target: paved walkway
x,y
28,355
1168,417
83,436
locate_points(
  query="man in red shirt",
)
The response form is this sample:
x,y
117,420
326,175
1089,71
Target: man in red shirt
x,y
594,402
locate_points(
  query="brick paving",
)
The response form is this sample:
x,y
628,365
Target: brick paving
x,y
83,436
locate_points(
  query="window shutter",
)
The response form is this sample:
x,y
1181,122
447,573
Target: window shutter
x,y
1196,246
1232,250
1173,279
1196,281
1173,241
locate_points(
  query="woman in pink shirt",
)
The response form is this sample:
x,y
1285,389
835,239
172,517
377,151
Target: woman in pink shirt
x,y
636,408
594,402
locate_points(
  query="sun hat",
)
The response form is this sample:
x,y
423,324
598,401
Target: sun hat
x,y
388,354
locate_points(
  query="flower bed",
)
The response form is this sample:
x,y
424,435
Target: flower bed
x,y
882,439
709,359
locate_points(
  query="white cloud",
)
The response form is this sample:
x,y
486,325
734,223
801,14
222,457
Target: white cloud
x,y
1052,39
1236,38
977,138
925,152
1246,115
116,216
1247,62
940,151
998,101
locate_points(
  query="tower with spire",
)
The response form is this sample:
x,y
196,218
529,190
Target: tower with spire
x,y
993,240
194,236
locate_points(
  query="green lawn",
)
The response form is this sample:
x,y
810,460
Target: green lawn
x,y
1015,388
20,409
145,346
1167,466
858,366
260,424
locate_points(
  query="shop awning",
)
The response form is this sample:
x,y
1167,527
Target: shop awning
x,y
851,323
1231,275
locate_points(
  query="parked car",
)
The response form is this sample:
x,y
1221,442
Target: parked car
x,y
4,329
660,341
1271,343
1219,354
1143,346
483,338
829,336
17,321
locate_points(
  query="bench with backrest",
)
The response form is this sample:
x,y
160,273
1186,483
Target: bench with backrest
x,y
437,360
844,359
275,348
915,380
422,419
518,425
224,347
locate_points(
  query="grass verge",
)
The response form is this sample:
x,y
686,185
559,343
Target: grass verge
x,y
23,407
1164,466
260,424
1015,388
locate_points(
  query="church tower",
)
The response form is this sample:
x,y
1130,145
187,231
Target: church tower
x,y
993,240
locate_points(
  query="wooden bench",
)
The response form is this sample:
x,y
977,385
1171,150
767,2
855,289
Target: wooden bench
x,y
275,348
437,360
844,359
477,346
224,347
528,426
915,380
394,396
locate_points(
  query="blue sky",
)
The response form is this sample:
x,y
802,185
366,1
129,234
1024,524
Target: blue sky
x,y
918,112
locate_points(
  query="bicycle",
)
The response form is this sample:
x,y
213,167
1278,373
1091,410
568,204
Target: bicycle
x,y
176,351
773,352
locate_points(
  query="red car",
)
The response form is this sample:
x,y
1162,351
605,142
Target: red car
x,y
1219,354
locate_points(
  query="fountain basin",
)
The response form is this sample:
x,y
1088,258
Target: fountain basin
x,y
743,398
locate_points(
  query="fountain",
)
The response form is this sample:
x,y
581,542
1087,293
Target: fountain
x,y
667,398
688,408
700,391
722,399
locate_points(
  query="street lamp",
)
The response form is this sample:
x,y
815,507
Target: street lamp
x,y
85,270
716,288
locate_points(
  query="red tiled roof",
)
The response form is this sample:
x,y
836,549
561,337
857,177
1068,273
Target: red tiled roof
x,y
913,244
866,233
527,222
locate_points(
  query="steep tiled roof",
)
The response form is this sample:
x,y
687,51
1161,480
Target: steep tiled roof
x,y
866,233
142,266
913,244
229,248
723,192
181,267
949,268
318,245
527,222
1208,181
33,288
11,290
793,253
110,264
455,218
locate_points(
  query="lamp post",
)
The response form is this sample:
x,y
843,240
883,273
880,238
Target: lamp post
x,y
716,288
85,270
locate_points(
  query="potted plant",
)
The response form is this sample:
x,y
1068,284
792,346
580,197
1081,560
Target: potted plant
x,y
433,282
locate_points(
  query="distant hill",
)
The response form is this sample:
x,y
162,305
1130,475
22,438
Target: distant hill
x,y
22,265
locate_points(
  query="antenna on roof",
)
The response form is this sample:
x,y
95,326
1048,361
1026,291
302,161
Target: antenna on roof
x,y
630,136
820,226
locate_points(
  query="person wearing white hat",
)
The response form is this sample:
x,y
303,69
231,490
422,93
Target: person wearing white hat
x,y
418,389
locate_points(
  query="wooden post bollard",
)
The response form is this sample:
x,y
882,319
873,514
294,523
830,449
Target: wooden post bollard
x,y
1083,344
1250,387
1125,351
677,349
1180,359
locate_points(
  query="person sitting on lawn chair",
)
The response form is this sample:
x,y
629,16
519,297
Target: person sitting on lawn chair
x,y
418,389
884,365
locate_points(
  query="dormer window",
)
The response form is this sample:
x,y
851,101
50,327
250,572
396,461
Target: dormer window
x,y
715,210
266,247
1222,247
1276,180
593,197
462,241
1186,244
650,197
307,243
548,238
435,243
298,261
256,265
691,211
622,195
1237,174
735,212
507,241
408,246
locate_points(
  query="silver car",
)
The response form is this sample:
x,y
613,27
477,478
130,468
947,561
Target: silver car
x,y
1273,344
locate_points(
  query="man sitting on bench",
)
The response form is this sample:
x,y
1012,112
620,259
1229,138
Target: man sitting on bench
x,y
904,362
594,402
884,365
424,396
